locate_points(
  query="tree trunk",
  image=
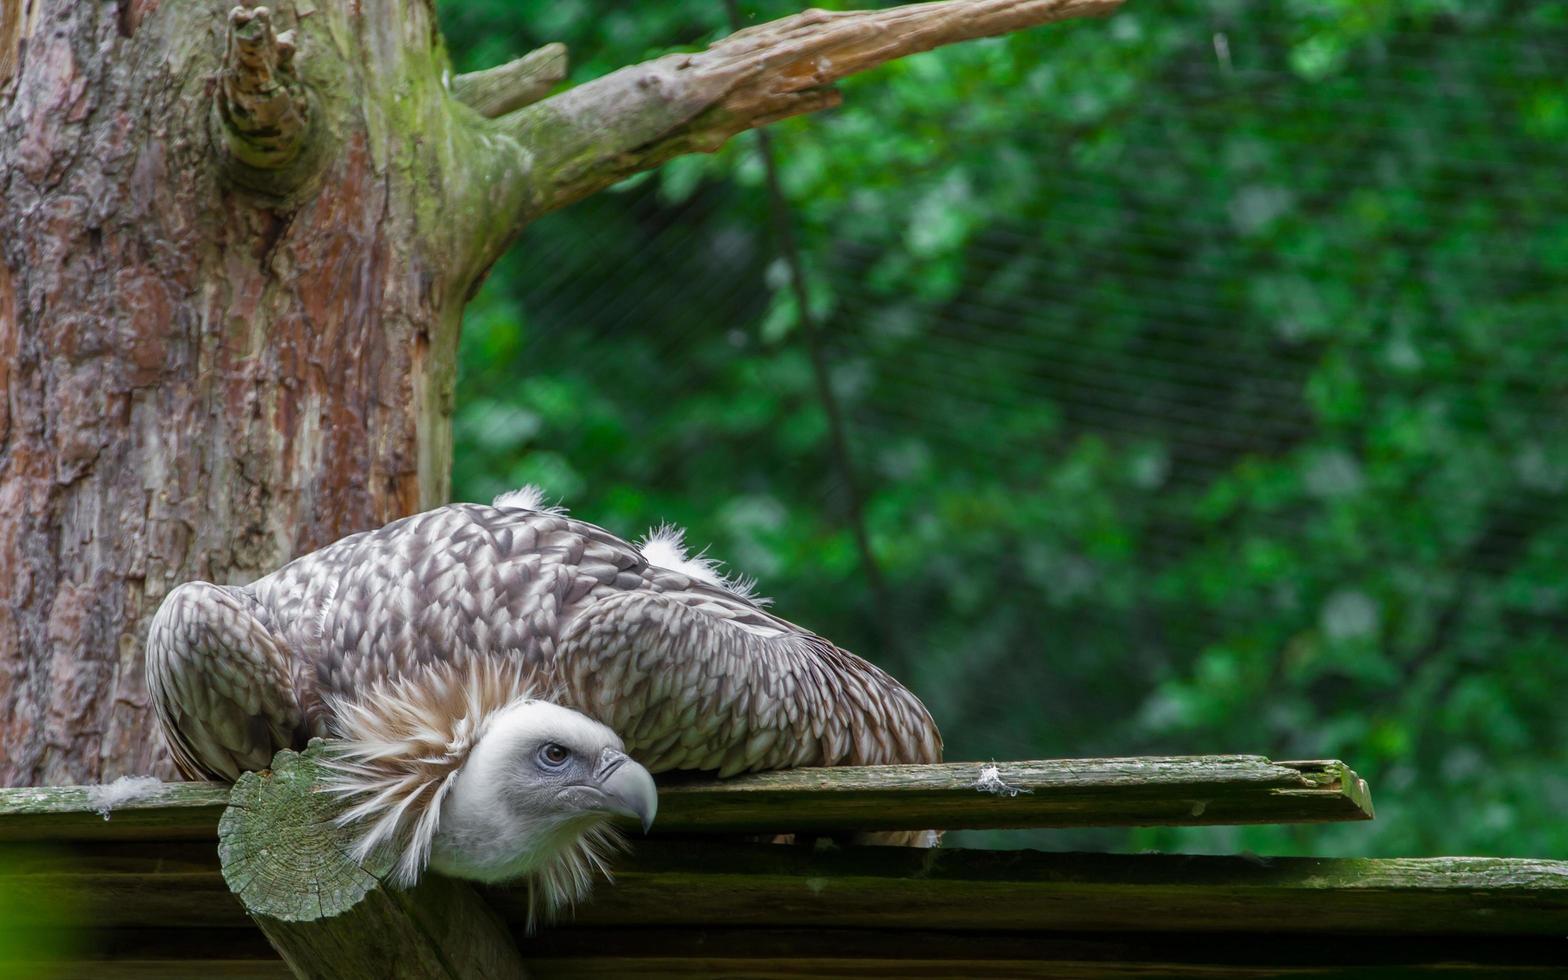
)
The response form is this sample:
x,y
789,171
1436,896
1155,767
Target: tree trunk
x,y
201,381
234,251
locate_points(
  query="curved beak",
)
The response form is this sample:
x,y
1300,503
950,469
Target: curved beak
x,y
627,787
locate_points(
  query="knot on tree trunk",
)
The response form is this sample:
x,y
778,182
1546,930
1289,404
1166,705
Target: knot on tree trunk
x,y
262,107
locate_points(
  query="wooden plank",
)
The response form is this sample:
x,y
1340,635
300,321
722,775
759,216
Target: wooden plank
x,y
110,885
171,967
1178,790
159,954
169,812
1164,791
704,885
900,888
602,954
609,954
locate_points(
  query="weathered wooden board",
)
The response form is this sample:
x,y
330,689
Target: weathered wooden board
x,y
663,884
1177,790
134,885
172,811
610,954
161,954
1165,791
602,954
952,889
710,909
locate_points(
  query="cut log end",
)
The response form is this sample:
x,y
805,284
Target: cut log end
x,y
329,916
282,851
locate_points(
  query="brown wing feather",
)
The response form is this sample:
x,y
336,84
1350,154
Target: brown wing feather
x,y
701,680
220,682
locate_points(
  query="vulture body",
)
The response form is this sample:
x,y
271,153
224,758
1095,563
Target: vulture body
x,y
403,639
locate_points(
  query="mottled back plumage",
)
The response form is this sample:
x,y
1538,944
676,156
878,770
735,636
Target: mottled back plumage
x,y
691,672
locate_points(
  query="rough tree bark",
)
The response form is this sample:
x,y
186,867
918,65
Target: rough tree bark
x,y
234,251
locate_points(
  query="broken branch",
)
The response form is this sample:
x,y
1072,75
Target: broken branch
x,y
509,87
637,118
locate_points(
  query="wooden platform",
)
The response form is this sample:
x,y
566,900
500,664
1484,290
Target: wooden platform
x,y
145,898
1149,791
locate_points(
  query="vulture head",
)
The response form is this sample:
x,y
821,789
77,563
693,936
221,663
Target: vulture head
x,y
539,779
459,768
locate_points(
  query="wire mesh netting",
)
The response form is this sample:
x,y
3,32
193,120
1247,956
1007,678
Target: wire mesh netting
x,y
1202,370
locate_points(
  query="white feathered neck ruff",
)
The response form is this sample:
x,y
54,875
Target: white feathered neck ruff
x,y
401,747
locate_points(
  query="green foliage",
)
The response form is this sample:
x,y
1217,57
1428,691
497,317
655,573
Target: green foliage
x,y
1203,366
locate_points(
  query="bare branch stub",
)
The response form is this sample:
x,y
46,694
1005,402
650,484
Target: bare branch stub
x,y
509,87
261,105
637,118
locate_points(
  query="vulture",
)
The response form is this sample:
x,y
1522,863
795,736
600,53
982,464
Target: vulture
x,y
499,683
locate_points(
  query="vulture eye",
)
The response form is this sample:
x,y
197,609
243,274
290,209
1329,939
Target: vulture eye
x,y
553,756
